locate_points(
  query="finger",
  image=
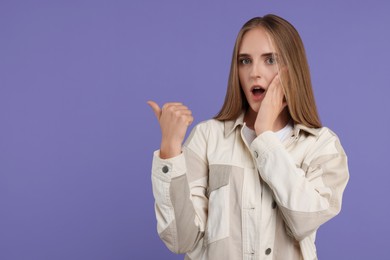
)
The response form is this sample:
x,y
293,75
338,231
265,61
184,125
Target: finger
x,y
277,85
180,108
156,108
171,104
278,81
184,112
176,109
274,82
183,115
190,120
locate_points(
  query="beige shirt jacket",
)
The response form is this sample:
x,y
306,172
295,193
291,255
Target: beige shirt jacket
x,y
223,198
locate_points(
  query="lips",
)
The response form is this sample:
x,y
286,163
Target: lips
x,y
257,91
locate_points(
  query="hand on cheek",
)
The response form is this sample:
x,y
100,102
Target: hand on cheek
x,y
271,107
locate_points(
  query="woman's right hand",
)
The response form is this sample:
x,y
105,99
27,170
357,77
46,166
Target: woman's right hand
x,y
174,119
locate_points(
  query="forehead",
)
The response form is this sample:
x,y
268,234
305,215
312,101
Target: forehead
x,y
256,41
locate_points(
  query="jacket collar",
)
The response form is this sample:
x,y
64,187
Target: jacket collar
x,y
299,127
230,126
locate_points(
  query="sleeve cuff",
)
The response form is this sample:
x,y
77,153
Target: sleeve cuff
x,y
264,144
167,169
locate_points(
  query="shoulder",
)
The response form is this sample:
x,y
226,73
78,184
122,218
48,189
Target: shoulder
x,y
326,141
203,135
209,126
326,134
318,133
325,131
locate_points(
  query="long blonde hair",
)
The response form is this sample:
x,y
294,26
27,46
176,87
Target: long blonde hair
x,y
291,53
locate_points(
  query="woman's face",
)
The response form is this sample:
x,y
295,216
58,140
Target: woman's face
x,y
256,66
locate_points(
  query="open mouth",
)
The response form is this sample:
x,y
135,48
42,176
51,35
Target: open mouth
x,y
258,91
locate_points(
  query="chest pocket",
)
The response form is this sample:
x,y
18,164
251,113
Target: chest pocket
x,y
219,199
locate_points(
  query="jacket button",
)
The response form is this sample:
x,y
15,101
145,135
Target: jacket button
x,y
268,251
273,204
165,169
256,154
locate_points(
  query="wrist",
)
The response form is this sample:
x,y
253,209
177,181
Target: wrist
x,y
262,129
169,150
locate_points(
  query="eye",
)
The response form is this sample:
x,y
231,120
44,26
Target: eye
x,y
270,60
245,61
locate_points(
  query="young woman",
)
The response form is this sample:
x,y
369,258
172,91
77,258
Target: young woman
x,y
258,180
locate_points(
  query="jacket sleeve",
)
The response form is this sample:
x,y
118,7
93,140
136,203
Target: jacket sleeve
x,y
179,188
310,194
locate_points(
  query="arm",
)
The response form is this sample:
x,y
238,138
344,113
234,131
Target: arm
x,y
307,196
180,200
179,180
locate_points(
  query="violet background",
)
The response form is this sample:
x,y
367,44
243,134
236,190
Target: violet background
x,y
76,135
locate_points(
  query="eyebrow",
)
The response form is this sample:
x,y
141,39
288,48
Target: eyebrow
x,y
262,55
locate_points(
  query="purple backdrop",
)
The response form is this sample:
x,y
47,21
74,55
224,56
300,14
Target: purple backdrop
x,y
76,135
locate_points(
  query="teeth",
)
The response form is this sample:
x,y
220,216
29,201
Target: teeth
x,y
257,88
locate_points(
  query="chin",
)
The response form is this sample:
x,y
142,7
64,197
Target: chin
x,y
255,107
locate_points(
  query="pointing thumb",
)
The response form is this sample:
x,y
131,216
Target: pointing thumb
x,y
156,108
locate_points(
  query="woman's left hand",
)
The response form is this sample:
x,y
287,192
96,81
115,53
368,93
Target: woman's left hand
x,y
271,106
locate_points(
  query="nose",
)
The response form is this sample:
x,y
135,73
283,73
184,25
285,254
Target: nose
x,y
255,70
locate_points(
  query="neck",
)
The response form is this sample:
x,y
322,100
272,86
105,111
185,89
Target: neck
x,y
282,120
